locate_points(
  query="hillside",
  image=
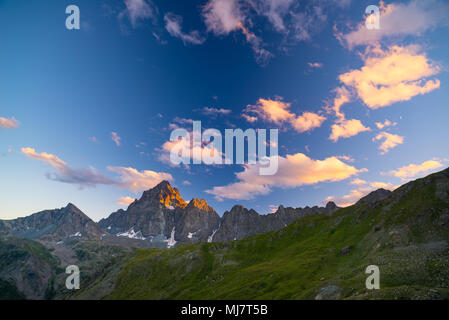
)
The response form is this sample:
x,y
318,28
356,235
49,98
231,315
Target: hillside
x,y
405,233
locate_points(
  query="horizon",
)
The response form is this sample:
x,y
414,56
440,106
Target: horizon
x,y
86,114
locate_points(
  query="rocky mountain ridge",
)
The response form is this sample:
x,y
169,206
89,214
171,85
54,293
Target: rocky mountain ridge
x,y
162,217
53,225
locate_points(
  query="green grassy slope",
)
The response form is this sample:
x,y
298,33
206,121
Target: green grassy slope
x,y
406,235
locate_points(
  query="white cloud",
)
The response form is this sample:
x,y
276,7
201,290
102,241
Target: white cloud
x,y
223,16
173,24
116,138
209,111
401,19
138,10
86,177
294,171
130,178
138,181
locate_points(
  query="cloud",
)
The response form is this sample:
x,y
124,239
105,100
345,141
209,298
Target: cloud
x,y
390,141
288,20
130,178
186,183
138,10
196,152
249,118
412,170
392,75
225,16
222,16
347,129
8,123
86,177
116,138
315,65
354,195
358,181
138,181
344,128
126,201
277,111
208,111
173,25
401,19
307,121
386,123
177,121
294,171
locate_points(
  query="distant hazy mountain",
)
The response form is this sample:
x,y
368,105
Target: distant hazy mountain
x,y
53,225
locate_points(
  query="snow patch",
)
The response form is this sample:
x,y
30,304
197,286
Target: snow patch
x,y
171,241
78,234
190,235
132,234
211,237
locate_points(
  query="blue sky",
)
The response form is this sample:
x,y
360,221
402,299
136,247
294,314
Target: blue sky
x,y
140,68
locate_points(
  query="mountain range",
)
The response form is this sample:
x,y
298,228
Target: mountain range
x,y
312,252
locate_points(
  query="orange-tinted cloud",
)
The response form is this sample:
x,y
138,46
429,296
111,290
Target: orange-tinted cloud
x,y
412,170
363,189
126,201
294,170
390,141
8,123
392,75
307,121
278,112
346,129
386,123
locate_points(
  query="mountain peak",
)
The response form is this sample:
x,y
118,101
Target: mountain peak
x,y
165,194
71,206
200,204
331,205
375,196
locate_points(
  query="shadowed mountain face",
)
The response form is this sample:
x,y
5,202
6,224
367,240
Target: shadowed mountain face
x,y
240,222
163,218
53,225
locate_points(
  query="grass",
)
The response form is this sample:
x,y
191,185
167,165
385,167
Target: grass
x,y
300,260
